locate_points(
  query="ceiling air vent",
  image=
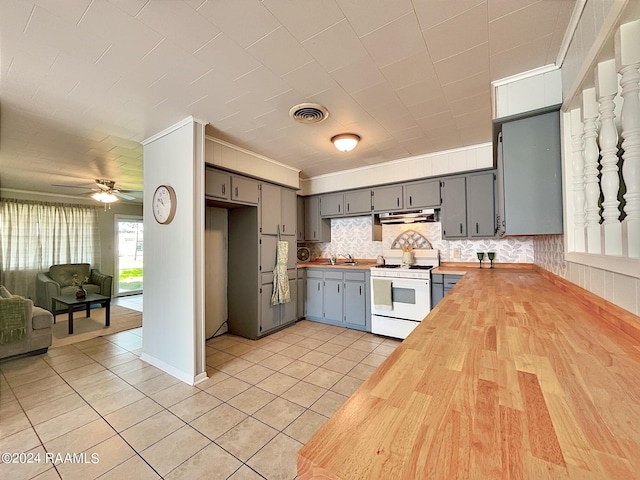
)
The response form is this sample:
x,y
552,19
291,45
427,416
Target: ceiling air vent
x,y
309,113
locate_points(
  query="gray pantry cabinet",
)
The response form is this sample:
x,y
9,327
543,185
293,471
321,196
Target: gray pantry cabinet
x,y
256,210
338,297
277,210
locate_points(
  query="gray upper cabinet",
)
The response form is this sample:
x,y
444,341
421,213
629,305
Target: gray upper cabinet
x,y
316,228
530,176
454,208
481,204
269,208
244,190
422,194
300,215
332,205
288,206
386,199
358,202
217,184
277,209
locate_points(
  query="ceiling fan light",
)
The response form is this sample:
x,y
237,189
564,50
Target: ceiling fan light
x,y
345,142
104,197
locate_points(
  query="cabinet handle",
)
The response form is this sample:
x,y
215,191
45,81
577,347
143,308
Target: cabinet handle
x,y
348,209
236,192
398,201
224,188
360,289
460,228
477,228
318,286
338,288
314,234
338,208
284,228
410,200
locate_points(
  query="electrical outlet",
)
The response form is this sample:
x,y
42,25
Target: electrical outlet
x,y
456,252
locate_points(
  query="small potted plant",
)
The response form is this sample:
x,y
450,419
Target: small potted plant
x,y
81,292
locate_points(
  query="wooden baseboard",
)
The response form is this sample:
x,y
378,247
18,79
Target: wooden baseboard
x,y
613,315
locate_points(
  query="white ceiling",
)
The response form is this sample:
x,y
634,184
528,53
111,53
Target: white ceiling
x,y
84,81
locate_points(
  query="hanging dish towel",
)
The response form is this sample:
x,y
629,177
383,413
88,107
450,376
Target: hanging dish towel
x,y
281,293
382,299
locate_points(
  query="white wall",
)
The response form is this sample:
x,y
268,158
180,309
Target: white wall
x,y
464,159
173,279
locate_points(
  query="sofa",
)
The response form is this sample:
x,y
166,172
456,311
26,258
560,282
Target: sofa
x,y
24,328
59,280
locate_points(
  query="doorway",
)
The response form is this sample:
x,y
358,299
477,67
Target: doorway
x,y
216,235
129,246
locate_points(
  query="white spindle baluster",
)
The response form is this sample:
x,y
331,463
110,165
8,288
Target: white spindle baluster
x,y
577,148
591,154
628,63
607,88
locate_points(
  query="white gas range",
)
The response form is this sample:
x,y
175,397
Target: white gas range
x,y
401,294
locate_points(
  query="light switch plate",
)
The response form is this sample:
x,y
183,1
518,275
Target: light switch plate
x,y
456,252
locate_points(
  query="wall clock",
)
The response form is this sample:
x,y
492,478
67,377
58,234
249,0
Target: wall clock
x,y
164,204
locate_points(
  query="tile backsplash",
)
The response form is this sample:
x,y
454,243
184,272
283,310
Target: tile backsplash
x,y
353,236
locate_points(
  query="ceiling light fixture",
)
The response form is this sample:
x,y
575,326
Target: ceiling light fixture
x,y
104,197
345,142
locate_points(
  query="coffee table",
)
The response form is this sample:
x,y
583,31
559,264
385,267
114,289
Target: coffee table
x,y
71,302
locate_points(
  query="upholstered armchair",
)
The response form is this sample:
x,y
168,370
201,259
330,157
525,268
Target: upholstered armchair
x,y
59,281
23,327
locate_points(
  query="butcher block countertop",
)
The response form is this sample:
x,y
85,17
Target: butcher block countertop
x,y
510,376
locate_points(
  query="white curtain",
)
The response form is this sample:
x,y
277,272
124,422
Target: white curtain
x,y
36,235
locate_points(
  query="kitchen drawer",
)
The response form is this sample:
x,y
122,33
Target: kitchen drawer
x,y
451,280
329,275
314,273
355,276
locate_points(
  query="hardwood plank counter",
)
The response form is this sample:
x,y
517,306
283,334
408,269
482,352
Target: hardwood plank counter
x,y
508,377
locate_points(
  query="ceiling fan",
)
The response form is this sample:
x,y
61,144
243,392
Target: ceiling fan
x,y
105,191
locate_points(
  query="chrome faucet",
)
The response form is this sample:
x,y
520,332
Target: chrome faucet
x,y
348,256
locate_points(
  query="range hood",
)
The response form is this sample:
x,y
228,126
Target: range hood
x,y
410,216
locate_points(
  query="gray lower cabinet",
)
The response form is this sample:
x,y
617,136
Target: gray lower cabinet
x,y
386,199
422,194
314,294
338,297
454,207
273,317
355,299
333,292
302,287
441,284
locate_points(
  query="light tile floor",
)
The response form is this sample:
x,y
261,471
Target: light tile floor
x,y
262,401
